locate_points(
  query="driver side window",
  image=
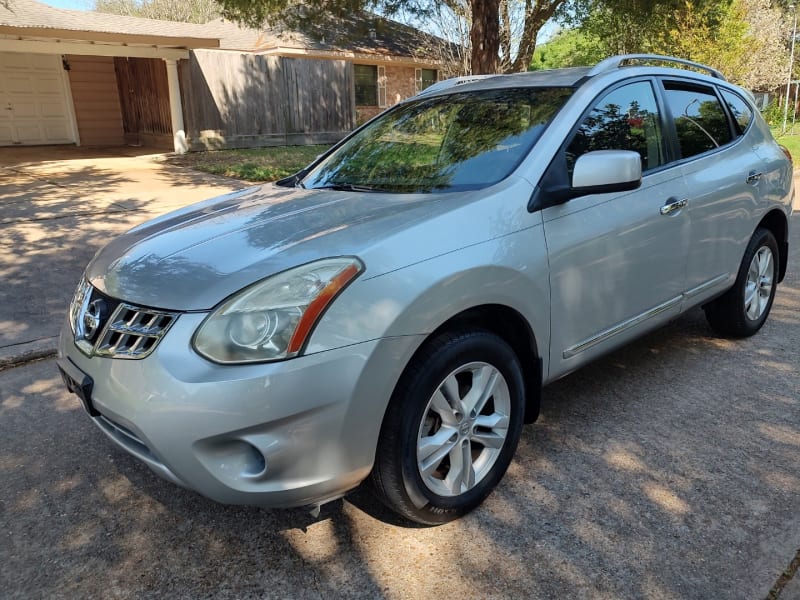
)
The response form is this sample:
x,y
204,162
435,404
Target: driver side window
x,y
625,119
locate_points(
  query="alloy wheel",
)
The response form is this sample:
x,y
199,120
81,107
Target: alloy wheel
x,y
463,429
759,283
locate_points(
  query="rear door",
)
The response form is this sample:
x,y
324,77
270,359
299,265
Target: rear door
x,y
722,173
617,261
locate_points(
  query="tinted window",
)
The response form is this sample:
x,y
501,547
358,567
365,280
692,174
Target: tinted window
x,y
700,121
742,114
366,79
625,119
464,140
428,78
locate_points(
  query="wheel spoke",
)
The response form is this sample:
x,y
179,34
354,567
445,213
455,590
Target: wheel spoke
x,y
450,390
489,439
758,288
443,408
462,473
764,260
762,304
430,444
750,293
434,458
484,382
752,309
493,421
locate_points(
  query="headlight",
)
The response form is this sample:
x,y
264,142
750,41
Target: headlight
x,y
272,319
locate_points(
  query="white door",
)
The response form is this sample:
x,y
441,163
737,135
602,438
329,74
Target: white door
x,y
33,100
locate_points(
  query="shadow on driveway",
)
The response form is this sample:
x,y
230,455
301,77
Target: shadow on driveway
x,y
56,213
665,470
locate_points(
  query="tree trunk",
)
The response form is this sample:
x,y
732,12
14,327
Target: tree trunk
x,y
485,36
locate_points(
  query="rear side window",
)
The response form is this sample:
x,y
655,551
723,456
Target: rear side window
x,y
700,121
742,113
624,119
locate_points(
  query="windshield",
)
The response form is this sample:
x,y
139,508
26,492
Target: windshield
x,y
461,141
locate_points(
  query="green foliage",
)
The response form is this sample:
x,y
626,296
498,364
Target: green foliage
x,y
792,143
773,114
745,39
569,48
259,164
498,25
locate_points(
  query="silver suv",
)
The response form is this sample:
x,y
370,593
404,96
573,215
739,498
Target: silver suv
x,y
392,311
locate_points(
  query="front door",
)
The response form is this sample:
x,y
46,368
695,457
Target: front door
x,y
617,261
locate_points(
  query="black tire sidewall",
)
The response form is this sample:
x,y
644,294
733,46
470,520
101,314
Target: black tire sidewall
x,y
473,347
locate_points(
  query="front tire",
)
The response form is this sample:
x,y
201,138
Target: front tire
x,y
451,428
743,309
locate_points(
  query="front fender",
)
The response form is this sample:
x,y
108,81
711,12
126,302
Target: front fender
x,y
417,299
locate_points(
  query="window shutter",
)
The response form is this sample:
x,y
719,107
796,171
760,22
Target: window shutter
x,y
382,87
417,80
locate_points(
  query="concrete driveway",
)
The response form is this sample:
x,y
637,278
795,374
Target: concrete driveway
x,y
56,212
669,469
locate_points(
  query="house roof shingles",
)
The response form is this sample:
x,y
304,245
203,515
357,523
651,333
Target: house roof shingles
x,y
28,14
363,34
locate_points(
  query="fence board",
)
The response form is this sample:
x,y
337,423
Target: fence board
x,y
237,99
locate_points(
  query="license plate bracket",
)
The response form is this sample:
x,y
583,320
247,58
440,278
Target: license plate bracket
x,y
79,383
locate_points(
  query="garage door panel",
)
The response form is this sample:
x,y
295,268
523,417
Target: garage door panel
x,y
5,135
24,107
32,87
52,109
55,132
19,84
49,86
30,134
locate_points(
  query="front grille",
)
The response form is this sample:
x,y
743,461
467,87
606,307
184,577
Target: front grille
x,y
104,326
133,332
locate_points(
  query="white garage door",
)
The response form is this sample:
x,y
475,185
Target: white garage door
x,y
33,100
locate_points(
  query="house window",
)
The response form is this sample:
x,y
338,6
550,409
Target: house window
x,y
425,78
366,77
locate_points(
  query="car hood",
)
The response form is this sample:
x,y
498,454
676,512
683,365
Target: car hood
x,y
193,258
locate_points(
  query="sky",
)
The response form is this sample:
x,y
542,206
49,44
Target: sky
x,y
73,4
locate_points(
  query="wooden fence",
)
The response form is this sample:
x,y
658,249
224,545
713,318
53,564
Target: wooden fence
x,y
144,99
240,100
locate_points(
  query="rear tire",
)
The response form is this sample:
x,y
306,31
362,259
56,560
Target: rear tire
x,y
451,428
743,309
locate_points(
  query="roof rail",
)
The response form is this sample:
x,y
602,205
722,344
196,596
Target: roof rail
x,y
615,62
452,82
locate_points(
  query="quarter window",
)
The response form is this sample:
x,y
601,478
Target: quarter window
x,y
700,121
366,79
742,113
625,119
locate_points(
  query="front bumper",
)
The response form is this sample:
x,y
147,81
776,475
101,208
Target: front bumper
x,y
280,434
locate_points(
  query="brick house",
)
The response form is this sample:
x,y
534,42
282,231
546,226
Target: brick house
x,y
391,61
87,78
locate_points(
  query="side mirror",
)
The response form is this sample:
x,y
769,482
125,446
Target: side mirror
x,y
604,171
597,172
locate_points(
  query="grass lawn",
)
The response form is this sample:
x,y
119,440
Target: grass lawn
x,y
792,142
257,164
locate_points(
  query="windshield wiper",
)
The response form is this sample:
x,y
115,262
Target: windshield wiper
x,y
346,187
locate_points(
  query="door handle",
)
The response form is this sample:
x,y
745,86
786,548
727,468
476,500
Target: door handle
x,y
753,177
672,205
